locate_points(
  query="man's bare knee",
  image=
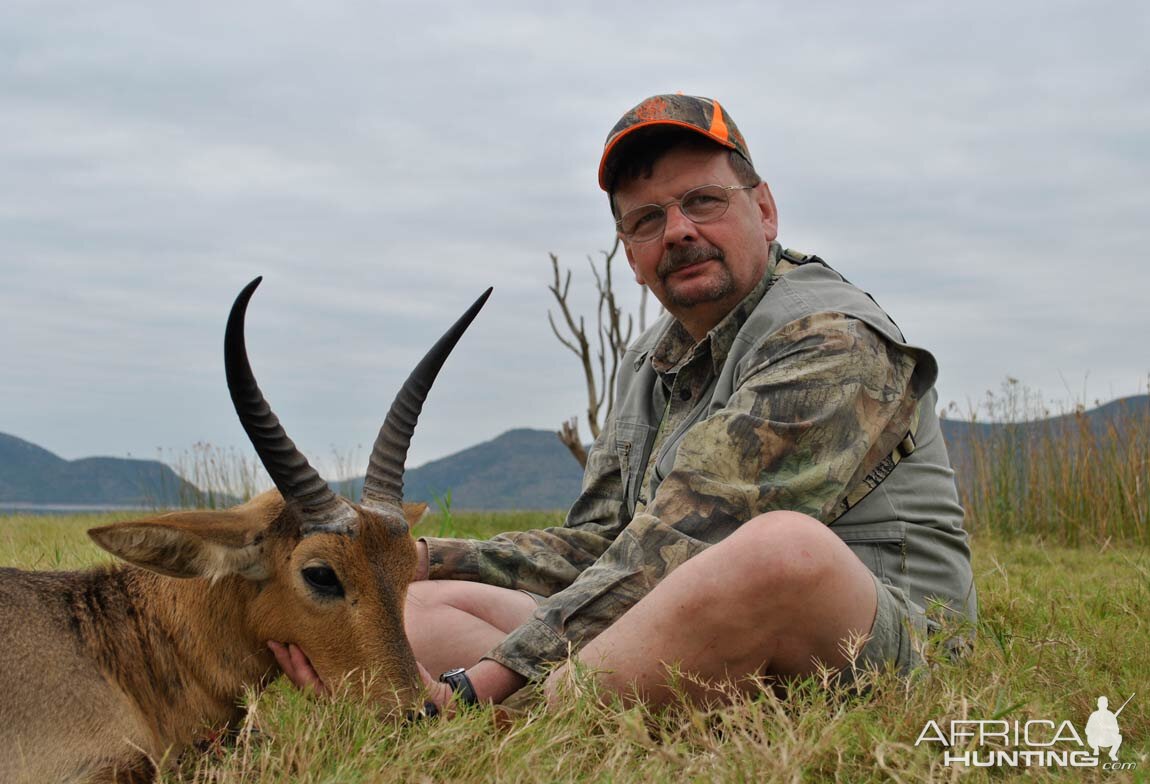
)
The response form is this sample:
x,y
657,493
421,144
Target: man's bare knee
x,y
759,574
802,584
784,568
780,551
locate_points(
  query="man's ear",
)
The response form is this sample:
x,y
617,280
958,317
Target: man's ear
x,y
768,210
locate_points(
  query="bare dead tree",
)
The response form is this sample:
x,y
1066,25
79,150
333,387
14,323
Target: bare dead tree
x,y
643,309
612,334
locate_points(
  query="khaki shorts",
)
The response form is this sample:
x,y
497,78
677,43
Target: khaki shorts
x,y
899,632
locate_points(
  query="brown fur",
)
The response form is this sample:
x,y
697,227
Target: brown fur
x,y
106,673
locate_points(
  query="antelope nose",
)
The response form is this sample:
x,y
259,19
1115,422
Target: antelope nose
x,y
429,712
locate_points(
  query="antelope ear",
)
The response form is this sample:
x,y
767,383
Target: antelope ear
x,y
414,513
176,551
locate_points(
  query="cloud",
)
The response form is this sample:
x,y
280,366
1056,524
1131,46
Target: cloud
x,y
980,168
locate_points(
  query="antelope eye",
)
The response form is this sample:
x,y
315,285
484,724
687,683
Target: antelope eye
x,y
322,580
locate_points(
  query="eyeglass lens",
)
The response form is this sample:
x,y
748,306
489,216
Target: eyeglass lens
x,y
702,204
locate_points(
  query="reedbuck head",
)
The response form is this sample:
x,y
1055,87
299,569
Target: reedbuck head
x,y
304,565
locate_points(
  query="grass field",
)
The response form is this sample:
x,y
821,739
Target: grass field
x,y
1059,627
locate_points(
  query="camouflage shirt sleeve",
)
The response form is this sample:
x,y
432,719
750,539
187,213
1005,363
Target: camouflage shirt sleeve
x,y
817,405
544,561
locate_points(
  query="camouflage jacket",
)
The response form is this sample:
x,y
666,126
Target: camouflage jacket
x,y
704,437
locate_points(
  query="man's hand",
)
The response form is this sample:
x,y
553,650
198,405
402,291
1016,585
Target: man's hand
x,y
295,664
438,693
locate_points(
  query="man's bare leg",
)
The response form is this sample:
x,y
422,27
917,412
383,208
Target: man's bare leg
x,y
452,623
778,594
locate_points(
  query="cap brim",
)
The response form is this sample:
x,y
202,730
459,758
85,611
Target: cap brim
x,y
613,144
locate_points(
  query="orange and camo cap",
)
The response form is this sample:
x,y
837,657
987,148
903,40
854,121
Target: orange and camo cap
x,y
702,115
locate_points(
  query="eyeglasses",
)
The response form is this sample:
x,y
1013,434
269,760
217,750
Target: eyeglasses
x,y
699,205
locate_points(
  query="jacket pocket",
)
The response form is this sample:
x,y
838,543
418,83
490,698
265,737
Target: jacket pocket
x,y
630,443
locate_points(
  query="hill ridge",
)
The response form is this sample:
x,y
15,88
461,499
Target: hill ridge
x,y
522,468
30,474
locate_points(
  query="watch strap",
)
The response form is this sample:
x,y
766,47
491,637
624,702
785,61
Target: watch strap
x,y
461,684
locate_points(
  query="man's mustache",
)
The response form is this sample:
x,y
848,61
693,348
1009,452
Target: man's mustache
x,y
684,256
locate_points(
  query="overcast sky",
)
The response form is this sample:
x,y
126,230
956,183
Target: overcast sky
x,y
980,167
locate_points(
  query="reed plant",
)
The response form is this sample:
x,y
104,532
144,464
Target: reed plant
x,y
1064,476
214,477
217,477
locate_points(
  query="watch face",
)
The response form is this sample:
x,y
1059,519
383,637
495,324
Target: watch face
x,y
452,673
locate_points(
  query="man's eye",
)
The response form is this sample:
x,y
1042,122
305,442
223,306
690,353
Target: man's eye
x,y
703,200
648,218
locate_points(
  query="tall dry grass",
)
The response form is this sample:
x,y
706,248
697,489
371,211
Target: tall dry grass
x,y
1061,477
217,477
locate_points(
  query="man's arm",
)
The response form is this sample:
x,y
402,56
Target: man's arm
x,y
818,404
545,560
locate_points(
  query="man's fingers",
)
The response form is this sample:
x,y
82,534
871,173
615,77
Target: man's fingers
x,y
306,676
283,659
295,664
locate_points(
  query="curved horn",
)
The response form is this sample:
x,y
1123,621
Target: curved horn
x,y
297,481
383,485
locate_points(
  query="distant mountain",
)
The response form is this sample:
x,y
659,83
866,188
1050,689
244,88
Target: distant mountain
x,y
32,475
1117,412
521,469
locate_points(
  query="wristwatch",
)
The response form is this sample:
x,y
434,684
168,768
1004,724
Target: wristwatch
x,y
460,684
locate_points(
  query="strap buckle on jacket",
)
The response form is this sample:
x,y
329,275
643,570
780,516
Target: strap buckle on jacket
x,y
863,488
800,258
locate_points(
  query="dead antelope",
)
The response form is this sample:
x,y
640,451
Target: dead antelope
x,y
105,672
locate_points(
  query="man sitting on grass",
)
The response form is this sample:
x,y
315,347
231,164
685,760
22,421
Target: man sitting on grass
x,y
771,485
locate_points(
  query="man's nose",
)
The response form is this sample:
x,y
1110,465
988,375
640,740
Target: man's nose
x,y
679,227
